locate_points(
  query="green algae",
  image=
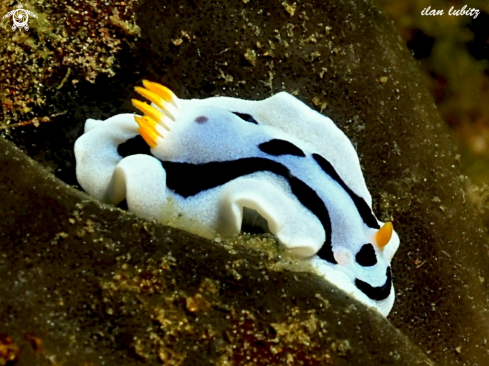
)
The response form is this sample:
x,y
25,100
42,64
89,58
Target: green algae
x,y
77,38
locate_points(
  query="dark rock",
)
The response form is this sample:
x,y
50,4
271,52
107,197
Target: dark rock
x,y
85,283
341,57
344,58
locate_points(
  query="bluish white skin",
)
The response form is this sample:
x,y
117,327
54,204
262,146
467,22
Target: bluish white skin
x,y
141,179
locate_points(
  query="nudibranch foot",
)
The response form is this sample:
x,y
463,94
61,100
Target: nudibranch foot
x,y
213,159
293,225
126,181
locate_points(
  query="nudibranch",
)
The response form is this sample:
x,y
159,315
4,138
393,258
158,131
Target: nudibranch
x,y
219,159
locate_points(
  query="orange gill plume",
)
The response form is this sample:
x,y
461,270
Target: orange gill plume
x,y
156,122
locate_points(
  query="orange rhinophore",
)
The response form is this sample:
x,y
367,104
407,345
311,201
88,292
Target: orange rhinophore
x,y
384,234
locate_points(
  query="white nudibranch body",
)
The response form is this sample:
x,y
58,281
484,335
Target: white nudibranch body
x,y
219,159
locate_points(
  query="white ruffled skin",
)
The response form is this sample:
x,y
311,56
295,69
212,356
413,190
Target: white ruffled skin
x,y
141,180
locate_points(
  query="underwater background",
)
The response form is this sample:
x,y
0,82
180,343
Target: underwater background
x,y
87,284
453,54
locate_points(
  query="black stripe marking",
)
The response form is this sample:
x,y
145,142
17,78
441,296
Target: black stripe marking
x,y
366,256
278,147
362,207
245,117
188,179
376,293
214,174
133,146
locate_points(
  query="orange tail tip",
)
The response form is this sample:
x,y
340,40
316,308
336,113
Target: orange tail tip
x,y
149,130
163,92
384,234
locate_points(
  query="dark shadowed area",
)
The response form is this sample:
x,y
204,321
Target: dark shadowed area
x,y
97,285
90,284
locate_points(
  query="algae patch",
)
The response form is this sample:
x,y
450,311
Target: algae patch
x,y
67,43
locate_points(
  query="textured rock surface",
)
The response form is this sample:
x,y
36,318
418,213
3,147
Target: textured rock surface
x,y
89,284
343,58
66,43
